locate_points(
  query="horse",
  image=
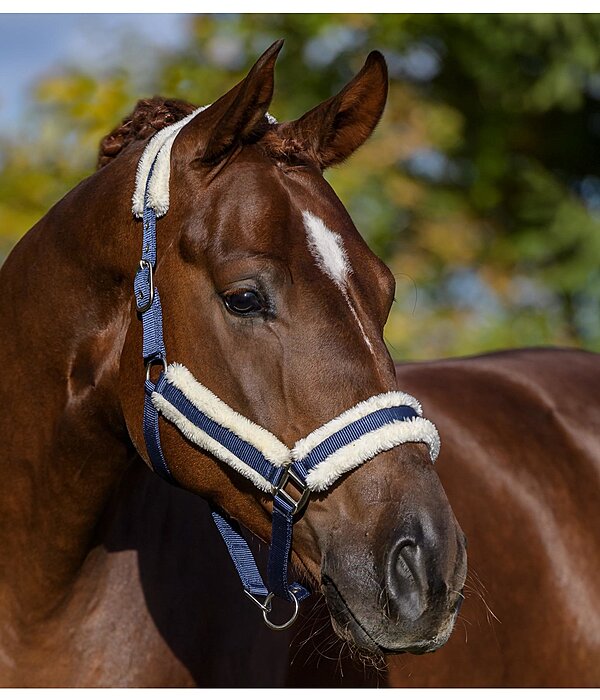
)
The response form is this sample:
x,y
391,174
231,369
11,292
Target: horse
x,y
268,294
113,577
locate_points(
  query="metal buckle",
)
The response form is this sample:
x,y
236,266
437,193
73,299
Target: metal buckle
x,y
278,490
153,361
266,609
146,265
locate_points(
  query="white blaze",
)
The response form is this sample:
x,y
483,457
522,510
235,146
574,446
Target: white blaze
x,y
327,249
330,255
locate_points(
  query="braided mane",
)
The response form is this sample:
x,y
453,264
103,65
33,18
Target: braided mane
x,y
148,117
153,114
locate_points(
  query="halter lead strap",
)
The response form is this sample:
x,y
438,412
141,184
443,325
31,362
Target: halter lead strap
x,y
313,464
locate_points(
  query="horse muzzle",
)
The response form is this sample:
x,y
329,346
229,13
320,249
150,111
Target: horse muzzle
x,y
403,592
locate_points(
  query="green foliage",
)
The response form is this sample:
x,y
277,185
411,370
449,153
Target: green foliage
x,y
480,188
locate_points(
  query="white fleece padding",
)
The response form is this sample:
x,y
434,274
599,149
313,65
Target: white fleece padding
x,y
374,403
416,429
159,148
211,405
199,437
158,190
385,438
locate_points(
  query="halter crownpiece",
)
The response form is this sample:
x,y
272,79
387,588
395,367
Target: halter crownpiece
x,y
313,464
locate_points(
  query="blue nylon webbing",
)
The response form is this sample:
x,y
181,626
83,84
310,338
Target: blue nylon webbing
x,y
152,433
351,432
279,552
153,345
149,230
243,450
240,553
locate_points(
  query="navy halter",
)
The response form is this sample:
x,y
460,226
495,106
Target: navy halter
x,y
180,407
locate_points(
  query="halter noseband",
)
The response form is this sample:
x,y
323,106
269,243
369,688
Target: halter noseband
x,y
313,464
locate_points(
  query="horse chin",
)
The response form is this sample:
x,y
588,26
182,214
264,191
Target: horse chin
x,y
361,635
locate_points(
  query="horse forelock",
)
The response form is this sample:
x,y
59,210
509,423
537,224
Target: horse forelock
x,y
149,116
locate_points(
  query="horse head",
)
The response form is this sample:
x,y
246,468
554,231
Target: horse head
x,y
271,298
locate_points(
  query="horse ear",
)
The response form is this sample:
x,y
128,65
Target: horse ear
x,y
333,130
234,116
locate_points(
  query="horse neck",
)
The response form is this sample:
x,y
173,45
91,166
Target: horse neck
x,y
65,305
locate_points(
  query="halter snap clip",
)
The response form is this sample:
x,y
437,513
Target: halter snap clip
x,y
266,608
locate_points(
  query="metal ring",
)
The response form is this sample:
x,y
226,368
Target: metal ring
x,y
153,361
285,625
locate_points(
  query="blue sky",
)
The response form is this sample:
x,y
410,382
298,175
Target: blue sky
x,y
36,44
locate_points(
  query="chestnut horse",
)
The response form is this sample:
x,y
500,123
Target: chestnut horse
x,y
112,577
271,297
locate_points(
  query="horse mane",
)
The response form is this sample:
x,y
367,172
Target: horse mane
x,y
151,115
285,149
148,117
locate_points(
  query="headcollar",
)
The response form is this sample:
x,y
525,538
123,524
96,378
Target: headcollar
x,y
313,464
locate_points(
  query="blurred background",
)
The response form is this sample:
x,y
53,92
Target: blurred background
x,y
480,188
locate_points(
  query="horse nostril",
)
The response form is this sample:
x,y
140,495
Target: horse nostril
x,y
407,579
407,559
405,555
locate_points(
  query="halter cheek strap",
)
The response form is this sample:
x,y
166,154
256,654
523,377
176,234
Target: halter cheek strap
x,y
313,464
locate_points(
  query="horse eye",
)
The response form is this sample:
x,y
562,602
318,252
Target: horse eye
x,y
245,302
